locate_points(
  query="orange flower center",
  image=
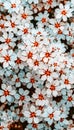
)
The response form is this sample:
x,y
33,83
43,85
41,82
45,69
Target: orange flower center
x,y
69,98
36,63
32,80
30,54
61,72
18,61
22,98
52,87
43,20
25,31
39,33
50,1
57,25
20,114
36,44
8,40
40,107
60,31
7,58
34,125
47,54
32,114
47,73
24,16
2,25
66,81
40,97
55,64
6,92
13,24
64,12
17,80
51,115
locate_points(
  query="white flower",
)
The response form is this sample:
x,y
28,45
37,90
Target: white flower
x,y
12,5
51,115
56,25
11,24
64,12
24,29
25,15
52,88
42,19
28,54
46,73
32,80
7,93
39,96
7,58
22,96
8,39
67,81
32,115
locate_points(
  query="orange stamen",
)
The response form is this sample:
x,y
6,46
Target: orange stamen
x,y
36,63
47,72
32,114
40,97
66,81
6,92
43,20
22,98
50,1
17,80
13,24
47,54
51,115
30,54
18,61
32,80
57,25
64,12
8,40
7,58
70,99
24,16
34,125
36,44
52,87
25,31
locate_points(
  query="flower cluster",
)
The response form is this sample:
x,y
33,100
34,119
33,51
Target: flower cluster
x,y
37,64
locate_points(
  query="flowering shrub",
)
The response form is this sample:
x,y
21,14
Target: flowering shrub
x,y
37,64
